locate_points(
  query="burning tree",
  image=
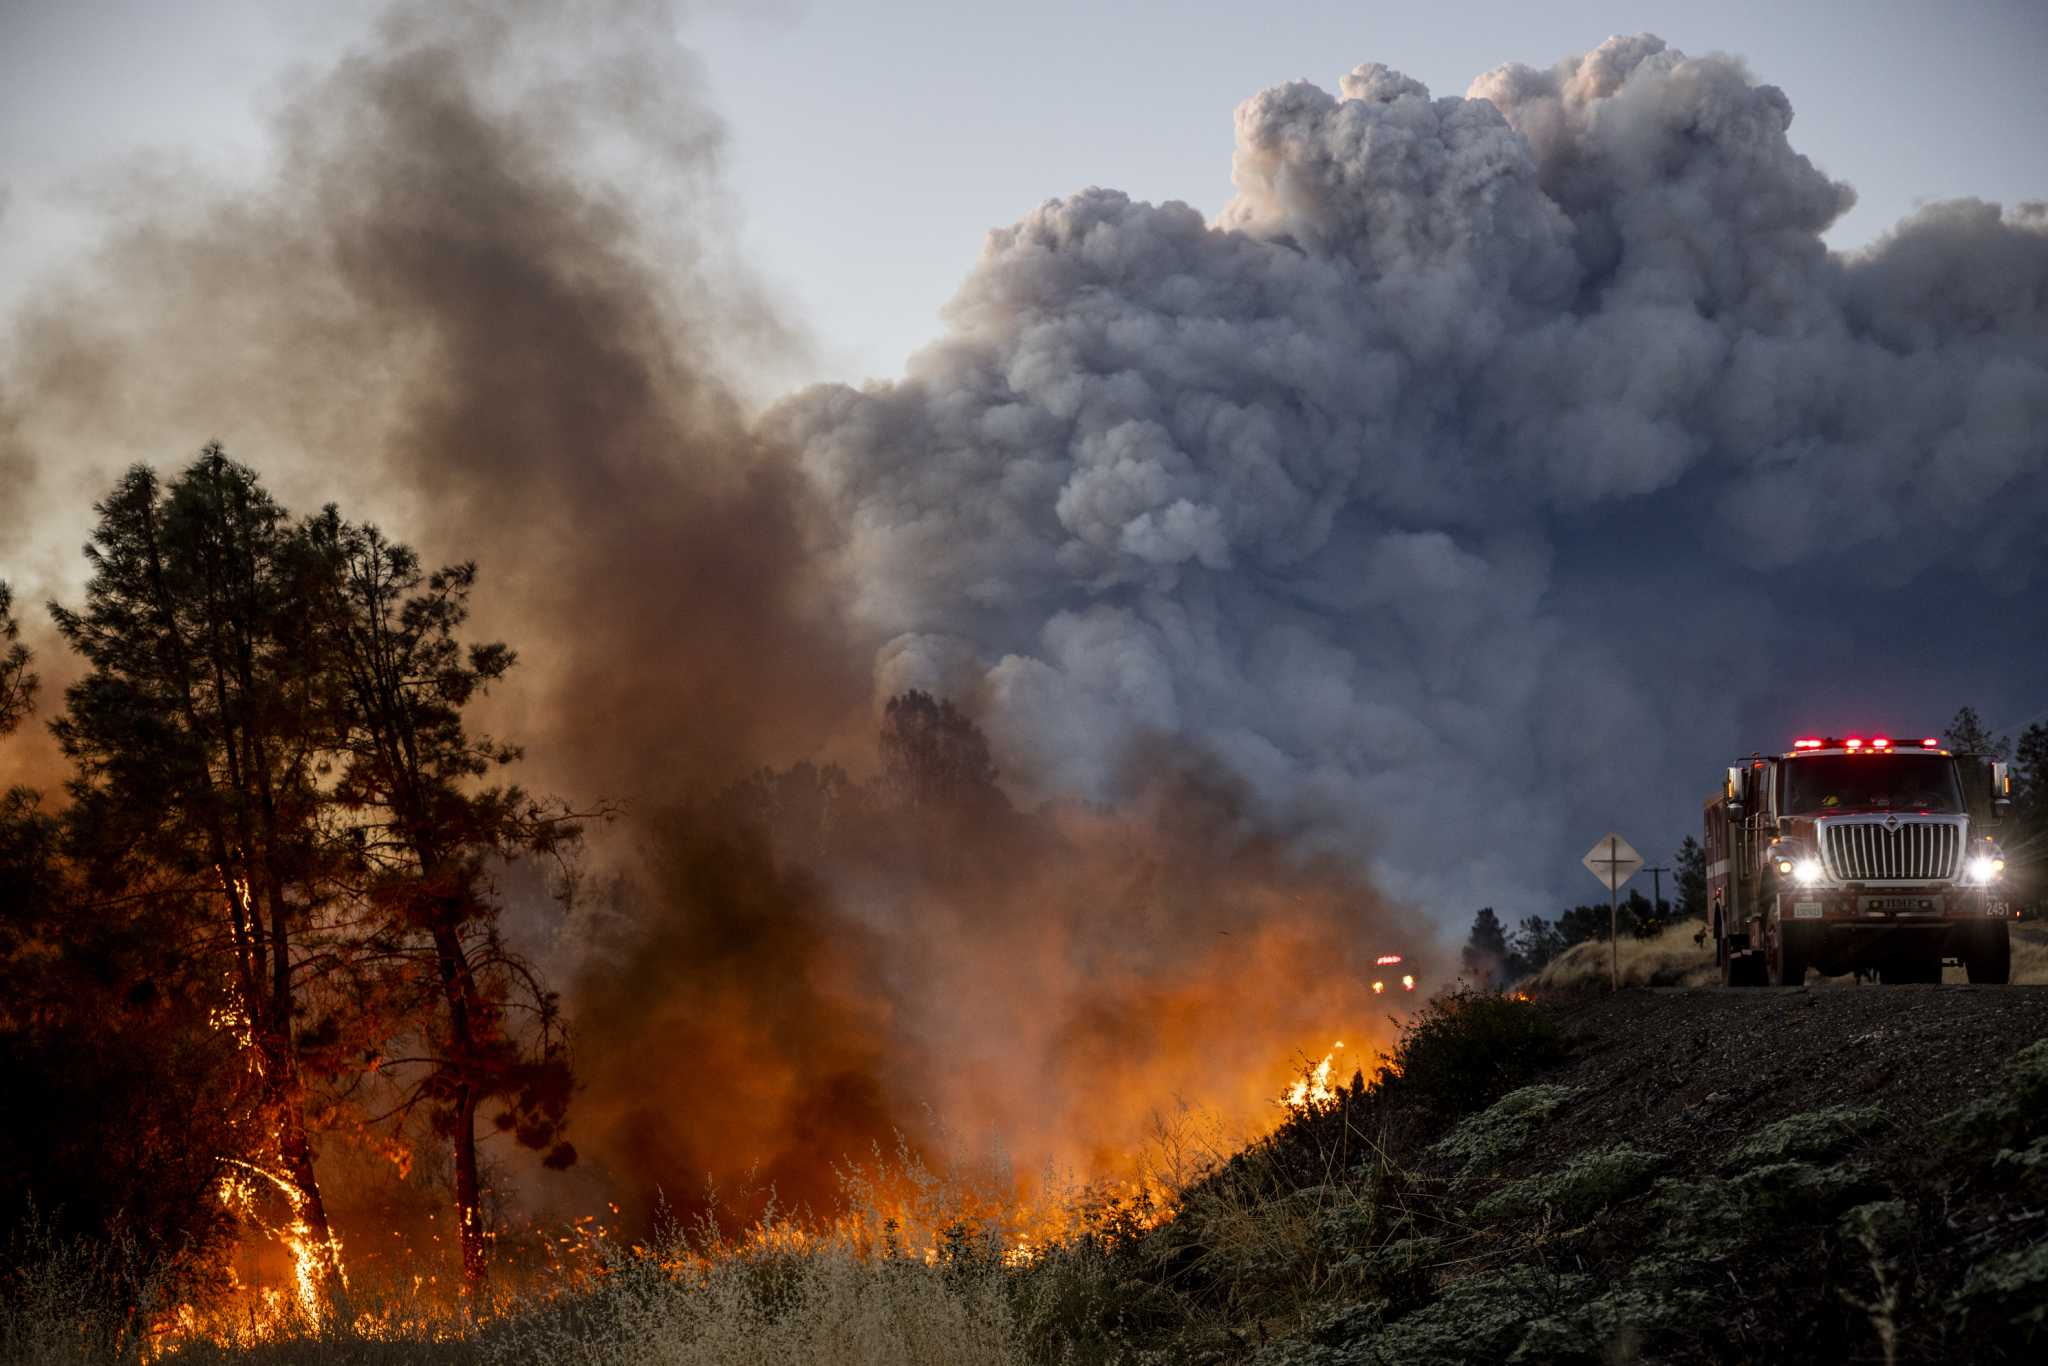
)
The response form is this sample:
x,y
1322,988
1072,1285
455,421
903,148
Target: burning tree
x,y
193,736
270,734
425,836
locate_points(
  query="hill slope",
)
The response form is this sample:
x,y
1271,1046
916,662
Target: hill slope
x,y
1830,1174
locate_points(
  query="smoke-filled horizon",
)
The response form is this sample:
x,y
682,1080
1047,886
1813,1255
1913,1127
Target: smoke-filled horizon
x,y
1490,470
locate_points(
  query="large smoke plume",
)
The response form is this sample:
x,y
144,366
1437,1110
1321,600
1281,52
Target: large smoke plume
x,y
1486,472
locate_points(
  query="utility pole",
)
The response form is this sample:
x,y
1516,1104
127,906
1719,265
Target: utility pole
x,y
1657,890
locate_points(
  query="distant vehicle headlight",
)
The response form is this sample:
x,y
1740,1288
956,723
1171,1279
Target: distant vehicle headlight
x,y
1808,871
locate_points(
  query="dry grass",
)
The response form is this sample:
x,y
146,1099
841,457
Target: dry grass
x,y
2029,956
56,1297
800,1304
816,1304
1671,958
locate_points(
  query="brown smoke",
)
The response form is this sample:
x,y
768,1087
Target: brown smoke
x,y
485,297
442,309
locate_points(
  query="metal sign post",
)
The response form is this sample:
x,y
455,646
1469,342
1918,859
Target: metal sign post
x,y
1614,862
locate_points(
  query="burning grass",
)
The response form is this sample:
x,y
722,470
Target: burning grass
x,y
1373,1225
968,1262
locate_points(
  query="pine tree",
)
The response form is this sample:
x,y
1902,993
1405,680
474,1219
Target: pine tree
x,y
1689,878
933,756
2024,835
1486,950
426,834
190,735
1534,943
1966,735
17,684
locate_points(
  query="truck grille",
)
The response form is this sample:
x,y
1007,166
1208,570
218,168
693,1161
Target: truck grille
x,y
1911,851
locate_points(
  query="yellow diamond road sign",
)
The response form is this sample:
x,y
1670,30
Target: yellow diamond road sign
x,y
1612,861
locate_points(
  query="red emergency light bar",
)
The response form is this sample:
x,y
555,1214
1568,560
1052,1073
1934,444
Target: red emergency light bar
x,y
1387,958
1856,744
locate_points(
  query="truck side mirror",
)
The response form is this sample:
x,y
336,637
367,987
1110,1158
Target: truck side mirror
x,y
2001,787
1733,790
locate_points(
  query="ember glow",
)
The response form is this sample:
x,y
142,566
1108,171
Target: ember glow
x,y
315,1266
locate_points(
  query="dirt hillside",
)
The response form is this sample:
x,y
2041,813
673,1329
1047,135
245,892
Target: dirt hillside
x,y
1693,1070
1828,1173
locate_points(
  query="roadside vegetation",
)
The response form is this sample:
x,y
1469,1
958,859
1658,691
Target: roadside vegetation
x,y
1679,955
1474,1201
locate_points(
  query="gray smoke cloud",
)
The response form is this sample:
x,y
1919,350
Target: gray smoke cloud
x,y
1485,472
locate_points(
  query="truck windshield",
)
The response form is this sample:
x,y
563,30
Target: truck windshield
x,y
1905,782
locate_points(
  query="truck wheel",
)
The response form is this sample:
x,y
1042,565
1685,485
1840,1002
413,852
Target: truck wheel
x,y
1791,947
1987,954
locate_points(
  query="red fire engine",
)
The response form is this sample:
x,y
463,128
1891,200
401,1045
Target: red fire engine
x,y
1847,854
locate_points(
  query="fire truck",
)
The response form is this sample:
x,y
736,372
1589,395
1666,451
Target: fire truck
x,y
1859,854
1400,976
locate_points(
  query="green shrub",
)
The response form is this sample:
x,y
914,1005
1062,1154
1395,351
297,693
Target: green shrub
x,y
1649,1304
2023,1169
1483,1141
2005,1299
2012,1116
1809,1137
1584,1186
1477,1318
1482,1317
1466,1049
1398,1273
1716,1215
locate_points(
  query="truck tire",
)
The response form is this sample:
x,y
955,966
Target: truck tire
x,y
1792,948
1987,954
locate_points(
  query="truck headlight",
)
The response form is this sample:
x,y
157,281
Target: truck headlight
x,y
1984,868
1808,871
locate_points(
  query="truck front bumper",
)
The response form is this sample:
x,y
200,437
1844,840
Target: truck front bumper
x,y
1888,907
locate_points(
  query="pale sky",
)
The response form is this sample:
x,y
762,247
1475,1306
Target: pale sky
x,y
872,144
